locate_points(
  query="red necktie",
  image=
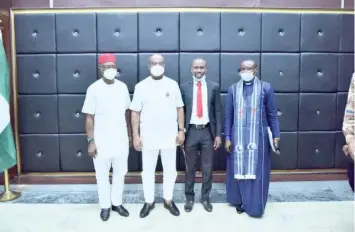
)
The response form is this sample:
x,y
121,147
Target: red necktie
x,y
199,100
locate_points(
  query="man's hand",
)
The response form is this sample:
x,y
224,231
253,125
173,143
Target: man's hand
x,y
277,145
180,138
92,150
130,141
228,146
346,149
217,142
349,149
137,143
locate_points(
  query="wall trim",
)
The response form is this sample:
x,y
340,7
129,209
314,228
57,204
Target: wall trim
x,y
190,9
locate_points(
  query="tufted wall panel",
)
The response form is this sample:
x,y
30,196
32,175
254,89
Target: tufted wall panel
x,y
308,58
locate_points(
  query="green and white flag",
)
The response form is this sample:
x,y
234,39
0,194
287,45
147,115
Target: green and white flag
x,y
7,145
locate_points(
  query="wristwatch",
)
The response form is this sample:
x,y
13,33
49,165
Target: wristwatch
x,y
183,130
90,140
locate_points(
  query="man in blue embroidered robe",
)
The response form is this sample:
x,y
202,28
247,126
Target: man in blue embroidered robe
x,y
250,111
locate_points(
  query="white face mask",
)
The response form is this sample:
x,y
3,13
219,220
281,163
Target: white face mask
x,y
157,70
247,76
110,74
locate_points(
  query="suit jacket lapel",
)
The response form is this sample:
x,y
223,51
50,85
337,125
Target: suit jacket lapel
x,y
209,93
191,91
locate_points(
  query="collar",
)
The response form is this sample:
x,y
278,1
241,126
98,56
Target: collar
x,y
152,79
202,79
250,82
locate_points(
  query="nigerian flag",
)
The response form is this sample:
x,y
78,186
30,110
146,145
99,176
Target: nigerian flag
x,y
7,145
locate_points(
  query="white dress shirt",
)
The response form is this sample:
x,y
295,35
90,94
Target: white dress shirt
x,y
157,101
109,104
204,119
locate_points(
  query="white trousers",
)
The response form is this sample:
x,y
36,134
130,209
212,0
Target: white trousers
x,y
110,195
149,160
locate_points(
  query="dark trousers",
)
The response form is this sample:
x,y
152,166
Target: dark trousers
x,y
351,174
198,140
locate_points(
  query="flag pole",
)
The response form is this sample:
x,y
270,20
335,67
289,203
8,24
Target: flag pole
x,y
8,195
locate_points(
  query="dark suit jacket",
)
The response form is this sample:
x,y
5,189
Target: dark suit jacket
x,y
214,105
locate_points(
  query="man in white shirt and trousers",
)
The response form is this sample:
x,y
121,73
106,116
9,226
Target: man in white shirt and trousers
x,y
157,111
108,130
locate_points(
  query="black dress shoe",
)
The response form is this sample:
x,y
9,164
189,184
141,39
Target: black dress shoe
x,y
207,206
172,208
239,209
147,207
188,206
120,210
105,214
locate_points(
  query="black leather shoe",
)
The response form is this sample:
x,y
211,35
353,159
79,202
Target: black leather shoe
x,y
172,208
105,214
188,206
207,206
120,210
147,207
239,209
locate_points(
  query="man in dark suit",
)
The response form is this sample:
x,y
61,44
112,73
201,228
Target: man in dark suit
x,y
203,130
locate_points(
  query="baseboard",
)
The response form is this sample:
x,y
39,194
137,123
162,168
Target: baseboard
x,y
218,177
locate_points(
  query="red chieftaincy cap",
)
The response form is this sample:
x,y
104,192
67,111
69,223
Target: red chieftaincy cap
x,y
105,58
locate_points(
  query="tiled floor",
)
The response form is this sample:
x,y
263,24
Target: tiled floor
x,y
279,217
292,207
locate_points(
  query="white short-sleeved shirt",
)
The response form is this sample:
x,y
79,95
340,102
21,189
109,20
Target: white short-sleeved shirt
x,y
108,104
157,101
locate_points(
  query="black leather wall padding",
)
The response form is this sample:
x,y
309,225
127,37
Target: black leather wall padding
x,y
287,106
76,32
35,33
317,112
308,59
38,114
240,32
117,32
282,70
159,167
40,153
341,102
220,158
127,64
212,60
280,32
134,160
76,72
70,118
171,65
158,32
37,74
346,33
230,64
345,71
320,32
319,72
199,31
316,149
74,153
288,147
341,161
